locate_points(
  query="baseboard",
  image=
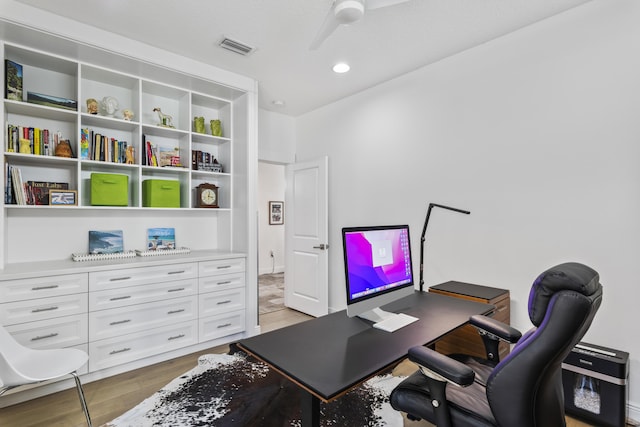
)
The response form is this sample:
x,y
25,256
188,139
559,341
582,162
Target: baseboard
x,y
633,417
271,270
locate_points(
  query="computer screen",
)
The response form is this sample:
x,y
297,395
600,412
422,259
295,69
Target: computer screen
x,y
378,266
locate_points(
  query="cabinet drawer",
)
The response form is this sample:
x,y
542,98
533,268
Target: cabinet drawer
x,y
141,276
121,297
221,325
43,287
221,266
221,302
118,321
123,349
42,308
53,333
220,282
502,311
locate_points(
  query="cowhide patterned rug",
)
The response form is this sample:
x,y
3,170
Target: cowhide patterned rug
x,y
238,390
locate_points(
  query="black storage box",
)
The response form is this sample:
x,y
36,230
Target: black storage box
x,y
595,381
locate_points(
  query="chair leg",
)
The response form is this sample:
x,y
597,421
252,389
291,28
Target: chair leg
x,y
85,409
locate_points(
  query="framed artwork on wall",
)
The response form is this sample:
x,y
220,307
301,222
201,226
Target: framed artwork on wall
x,y
276,213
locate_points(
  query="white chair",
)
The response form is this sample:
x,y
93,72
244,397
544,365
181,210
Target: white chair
x,y
20,365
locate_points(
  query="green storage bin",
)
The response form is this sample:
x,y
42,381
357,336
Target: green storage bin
x,y
109,189
160,193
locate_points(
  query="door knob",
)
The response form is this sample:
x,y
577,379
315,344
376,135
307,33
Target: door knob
x,y
322,247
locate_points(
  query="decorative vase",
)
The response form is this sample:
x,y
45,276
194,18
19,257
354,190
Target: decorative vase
x,y
198,124
216,127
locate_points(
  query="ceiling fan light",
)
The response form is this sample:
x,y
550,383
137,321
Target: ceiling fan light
x,y
348,11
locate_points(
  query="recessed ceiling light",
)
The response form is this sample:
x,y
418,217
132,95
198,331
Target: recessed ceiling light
x,y
341,68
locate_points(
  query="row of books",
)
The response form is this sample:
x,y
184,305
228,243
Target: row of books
x,y
203,161
95,146
155,155
18,192
32,140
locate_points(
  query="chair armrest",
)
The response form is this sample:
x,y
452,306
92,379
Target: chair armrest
x,y
500,330
440,367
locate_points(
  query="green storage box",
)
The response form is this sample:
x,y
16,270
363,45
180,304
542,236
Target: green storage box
x,y
109,189
160,193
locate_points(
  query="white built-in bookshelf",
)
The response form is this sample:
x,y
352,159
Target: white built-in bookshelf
x,y
39,239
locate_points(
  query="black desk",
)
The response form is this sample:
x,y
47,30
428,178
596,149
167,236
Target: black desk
x,y
329,355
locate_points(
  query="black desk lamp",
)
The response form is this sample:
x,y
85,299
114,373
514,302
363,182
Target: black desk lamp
x,y
424,231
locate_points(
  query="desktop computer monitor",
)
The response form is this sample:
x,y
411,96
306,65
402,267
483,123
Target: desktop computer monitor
x,y
378,269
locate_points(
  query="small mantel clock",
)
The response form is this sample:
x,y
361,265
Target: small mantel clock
x,y
207,196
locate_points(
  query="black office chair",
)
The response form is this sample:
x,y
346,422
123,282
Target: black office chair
x,y
524,389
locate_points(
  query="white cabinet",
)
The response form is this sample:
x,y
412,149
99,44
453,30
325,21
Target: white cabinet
x,y
221,287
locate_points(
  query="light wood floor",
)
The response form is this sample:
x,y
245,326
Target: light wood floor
x,y
111,397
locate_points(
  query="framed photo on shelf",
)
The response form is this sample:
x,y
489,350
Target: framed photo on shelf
x,y
63,197
276,213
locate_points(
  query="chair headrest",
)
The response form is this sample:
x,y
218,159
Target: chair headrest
x,y
570,276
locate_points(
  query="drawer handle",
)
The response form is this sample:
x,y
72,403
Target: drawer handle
x,y
44,337
119,322
175,311
41,288
122,350
501,308
175,337
176,272
226,325
224,302
115,279
226,282
38,310
120,298
221,267
176,290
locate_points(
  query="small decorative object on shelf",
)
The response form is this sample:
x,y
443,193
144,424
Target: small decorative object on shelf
x,y
216,167
92,106
198,125
63,149
25,146
165,119
128,114
216,127
105,242
52,101
161,239
13,76
130,156
109,105
178,251
103,257
63,197
207,196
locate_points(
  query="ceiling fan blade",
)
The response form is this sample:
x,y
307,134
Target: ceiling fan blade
x,y
328,26
376,4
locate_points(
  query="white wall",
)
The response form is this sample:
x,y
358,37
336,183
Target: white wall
x,y
537,133
277,137
271,187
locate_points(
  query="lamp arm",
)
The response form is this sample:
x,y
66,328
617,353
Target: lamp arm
x,y
424,232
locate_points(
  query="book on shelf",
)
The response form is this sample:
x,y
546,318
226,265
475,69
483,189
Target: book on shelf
x,y
13,80
95,146
39,190
19,193
31,140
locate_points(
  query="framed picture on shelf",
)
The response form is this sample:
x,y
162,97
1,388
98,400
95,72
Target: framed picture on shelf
x,y
63,197
105,242
159,239
276,213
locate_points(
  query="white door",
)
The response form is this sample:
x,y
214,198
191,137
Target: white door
x,y
306,238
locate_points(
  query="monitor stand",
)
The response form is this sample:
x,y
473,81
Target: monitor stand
x,y
386,320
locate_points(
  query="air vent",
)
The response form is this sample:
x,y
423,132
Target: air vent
x,y
236,46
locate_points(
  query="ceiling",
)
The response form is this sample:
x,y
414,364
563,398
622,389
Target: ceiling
x,y
386,43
